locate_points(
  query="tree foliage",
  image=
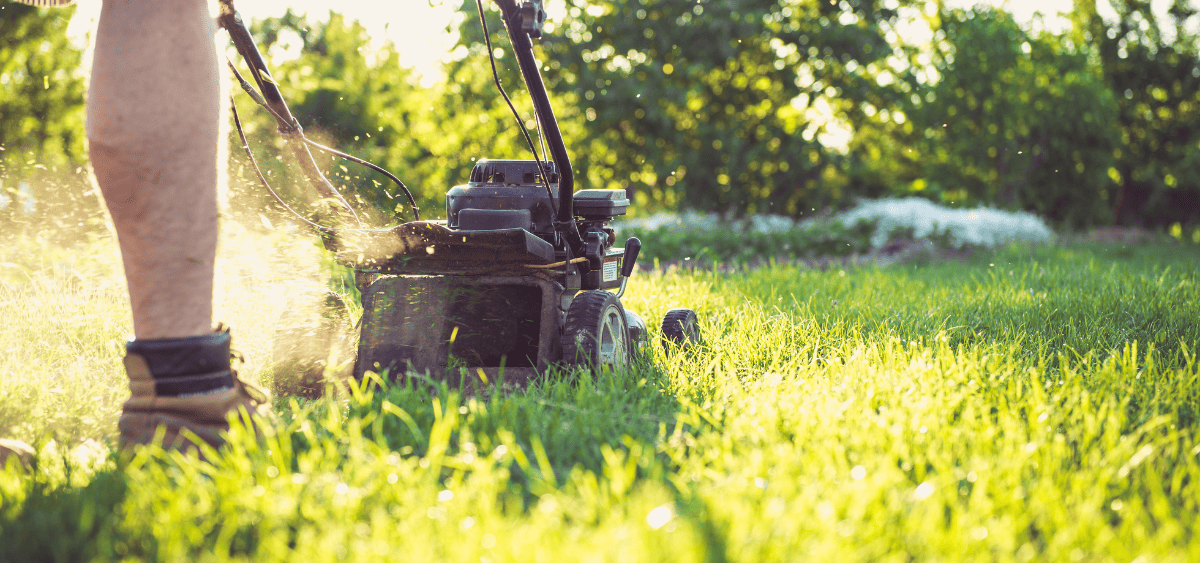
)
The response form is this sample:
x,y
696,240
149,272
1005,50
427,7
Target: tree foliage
x,y
732,106
1153,71
728,106
41,120
1092,126
711,105
1014,119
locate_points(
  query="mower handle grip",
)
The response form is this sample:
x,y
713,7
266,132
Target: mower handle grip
x,y
632,247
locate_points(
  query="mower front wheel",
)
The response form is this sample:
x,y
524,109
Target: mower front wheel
x,y
595,333
680,329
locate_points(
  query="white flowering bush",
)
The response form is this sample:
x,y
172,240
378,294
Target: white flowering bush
x,y
923,219
871,225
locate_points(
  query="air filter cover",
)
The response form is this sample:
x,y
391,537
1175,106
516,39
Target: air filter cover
x,y
600,203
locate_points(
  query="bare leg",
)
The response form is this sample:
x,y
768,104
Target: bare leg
x,y
153,121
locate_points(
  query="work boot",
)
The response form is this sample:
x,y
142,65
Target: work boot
x,y
185,389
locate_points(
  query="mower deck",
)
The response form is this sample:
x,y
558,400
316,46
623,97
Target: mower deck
x,y
432,325
428,245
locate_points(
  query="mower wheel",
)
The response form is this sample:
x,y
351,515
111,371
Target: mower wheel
x,y
595,333
638,335
680,329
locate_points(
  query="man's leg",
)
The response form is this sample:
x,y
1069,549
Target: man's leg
x,y
153,122
153,114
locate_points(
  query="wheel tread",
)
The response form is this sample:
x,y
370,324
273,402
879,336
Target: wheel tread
x,y
585,308
679,329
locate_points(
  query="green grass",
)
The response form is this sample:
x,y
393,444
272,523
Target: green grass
x,y
1025,405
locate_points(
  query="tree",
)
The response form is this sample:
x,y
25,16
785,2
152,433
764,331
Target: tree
x,y
41,128
1013,119
709,105
1154,73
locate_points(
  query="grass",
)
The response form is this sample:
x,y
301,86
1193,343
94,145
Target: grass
x,y
1027,404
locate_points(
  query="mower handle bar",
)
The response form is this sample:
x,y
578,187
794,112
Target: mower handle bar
x,y
519,36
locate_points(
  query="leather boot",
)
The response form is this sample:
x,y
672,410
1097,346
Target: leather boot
x,y
186,389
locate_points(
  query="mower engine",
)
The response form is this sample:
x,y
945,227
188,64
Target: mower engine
x,y
504,194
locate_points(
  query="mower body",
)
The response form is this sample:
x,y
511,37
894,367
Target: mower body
x,y
491,288
516,278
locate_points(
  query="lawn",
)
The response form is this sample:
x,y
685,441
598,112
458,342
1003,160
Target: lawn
x,y
1026,404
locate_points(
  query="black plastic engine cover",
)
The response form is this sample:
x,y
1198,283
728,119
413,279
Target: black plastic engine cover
x,y
504,185
600,204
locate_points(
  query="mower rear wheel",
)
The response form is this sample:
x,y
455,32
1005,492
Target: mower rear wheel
x,y
595,333
680,329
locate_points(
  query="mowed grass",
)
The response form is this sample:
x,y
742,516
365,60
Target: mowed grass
x,y
1025,405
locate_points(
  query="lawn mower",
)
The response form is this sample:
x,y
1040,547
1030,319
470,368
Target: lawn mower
x,y
516,279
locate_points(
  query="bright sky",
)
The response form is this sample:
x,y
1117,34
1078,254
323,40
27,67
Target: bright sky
x,y
416,28
419,30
